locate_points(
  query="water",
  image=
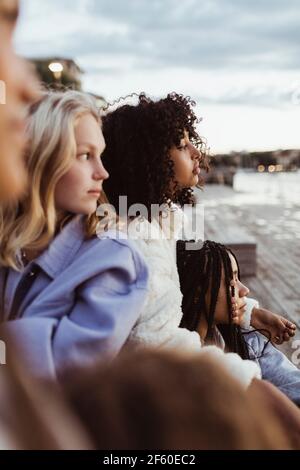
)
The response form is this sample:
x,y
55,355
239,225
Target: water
x,y
266,205
268,188
270,210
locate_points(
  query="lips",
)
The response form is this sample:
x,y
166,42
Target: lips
x,y
96,192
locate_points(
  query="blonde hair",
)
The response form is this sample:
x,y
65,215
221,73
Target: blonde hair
x,y
32,223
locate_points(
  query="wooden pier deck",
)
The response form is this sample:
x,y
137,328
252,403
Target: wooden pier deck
x,y
276,231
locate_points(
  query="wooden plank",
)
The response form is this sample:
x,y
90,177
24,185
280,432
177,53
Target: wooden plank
x,y
277,283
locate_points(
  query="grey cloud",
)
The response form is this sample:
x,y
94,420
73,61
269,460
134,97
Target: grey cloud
x,y
206,34
252,96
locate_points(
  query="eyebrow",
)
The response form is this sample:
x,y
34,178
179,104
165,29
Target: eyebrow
x,y
90,146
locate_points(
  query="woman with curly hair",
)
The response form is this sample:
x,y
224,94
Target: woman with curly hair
x,y
153,154
147,145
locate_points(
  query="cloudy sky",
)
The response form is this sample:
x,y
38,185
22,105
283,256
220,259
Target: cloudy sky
x,y
239,59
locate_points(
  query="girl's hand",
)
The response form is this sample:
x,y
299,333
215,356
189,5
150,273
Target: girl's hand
x,y
279,327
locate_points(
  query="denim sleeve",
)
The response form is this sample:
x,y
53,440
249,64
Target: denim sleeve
x,y
275,366
106,308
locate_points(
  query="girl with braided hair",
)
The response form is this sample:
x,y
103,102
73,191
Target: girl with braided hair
x,y
207,297
209,279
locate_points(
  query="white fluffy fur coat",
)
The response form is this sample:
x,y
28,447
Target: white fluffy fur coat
x,y
158,326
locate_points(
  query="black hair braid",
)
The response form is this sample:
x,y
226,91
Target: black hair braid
x,y
215,280
193,301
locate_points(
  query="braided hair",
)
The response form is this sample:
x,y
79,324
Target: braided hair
x,y
200,273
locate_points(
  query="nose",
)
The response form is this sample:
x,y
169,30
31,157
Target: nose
x,y
195,154
100,172
243,290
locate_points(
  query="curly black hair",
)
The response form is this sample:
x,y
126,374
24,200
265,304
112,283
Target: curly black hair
x,y
137,155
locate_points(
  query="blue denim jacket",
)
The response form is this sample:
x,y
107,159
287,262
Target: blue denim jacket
x,y
82,305
275,366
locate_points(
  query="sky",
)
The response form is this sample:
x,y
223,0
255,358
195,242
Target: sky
x,y
238,59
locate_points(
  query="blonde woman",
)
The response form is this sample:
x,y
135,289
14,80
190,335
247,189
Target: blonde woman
x,y
66,296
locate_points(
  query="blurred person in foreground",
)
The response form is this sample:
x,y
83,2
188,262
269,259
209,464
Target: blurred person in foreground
x,y
18,87
24,403
158,400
